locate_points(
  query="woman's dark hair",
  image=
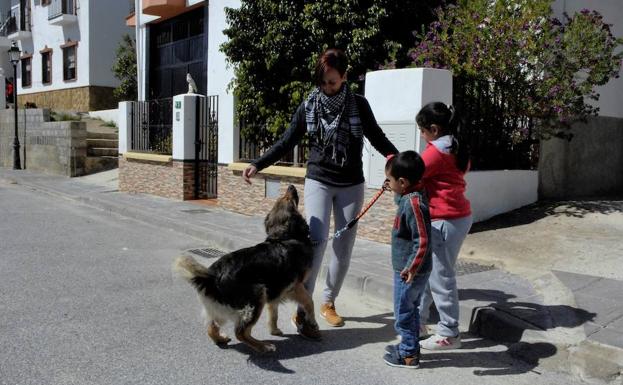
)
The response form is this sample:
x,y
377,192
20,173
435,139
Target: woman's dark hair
x,y
407,164
331,58
447,120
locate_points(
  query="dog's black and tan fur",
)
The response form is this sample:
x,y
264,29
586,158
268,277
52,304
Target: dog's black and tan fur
x,y
238,285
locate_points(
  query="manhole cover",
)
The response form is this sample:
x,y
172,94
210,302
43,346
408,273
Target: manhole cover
x,y
464,268
207,252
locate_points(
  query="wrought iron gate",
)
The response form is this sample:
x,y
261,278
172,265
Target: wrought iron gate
x,y
206,148
152,126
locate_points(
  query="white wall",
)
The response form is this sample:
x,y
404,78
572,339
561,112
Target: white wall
x,y
495,192
219,77
106,115
53,36
106,27
612,10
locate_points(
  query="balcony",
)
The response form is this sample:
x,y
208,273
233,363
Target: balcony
x,y
62,12
163,8
18,23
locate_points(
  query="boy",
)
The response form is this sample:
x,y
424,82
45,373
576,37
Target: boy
x,y
411,254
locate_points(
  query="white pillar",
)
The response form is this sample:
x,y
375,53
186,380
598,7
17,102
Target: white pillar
x,y
396,97
184,125
125,126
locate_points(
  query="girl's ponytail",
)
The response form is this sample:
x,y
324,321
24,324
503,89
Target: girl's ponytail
x,y
461,152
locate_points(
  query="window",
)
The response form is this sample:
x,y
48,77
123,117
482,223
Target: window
x,y
45,2
69,63
26,72
46,66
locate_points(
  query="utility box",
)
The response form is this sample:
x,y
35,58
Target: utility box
x,y
396,97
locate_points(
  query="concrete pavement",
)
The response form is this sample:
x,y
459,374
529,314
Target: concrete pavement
x,y
570,320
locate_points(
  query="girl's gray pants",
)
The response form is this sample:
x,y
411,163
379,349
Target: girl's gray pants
x,y
345,203
447,237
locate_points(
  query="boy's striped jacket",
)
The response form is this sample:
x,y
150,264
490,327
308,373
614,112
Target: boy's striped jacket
x,y
411,243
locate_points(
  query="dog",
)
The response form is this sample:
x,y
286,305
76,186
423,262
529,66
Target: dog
x,y
238,285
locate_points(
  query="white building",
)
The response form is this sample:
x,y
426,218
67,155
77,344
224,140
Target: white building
x,y
68,49
176,37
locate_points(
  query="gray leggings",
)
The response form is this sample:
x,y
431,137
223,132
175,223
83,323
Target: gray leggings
x,y
346,203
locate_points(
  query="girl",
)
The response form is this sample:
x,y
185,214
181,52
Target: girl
x,y
446,164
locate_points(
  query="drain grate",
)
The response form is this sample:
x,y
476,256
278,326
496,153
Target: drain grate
x,y
207,252
464,268
196,211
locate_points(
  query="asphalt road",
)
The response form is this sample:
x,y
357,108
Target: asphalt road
x,y
88,297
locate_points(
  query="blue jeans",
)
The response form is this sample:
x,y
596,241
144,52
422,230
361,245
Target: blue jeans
x,y
406,312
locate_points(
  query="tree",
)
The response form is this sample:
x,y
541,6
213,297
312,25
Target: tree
x,y
273,45
124,69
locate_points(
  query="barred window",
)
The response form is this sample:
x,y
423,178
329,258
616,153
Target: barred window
x,y
46,67
26,72
69,63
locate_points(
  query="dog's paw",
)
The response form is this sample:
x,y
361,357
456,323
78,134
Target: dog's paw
x,y
267,348
276,332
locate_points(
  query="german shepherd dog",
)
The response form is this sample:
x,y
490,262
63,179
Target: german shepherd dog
x,y
238,285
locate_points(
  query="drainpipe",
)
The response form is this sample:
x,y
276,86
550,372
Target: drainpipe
x,y
139,44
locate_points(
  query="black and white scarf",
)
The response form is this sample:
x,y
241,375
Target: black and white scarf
x,y
323,117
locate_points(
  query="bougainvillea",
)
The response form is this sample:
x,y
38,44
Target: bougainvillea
x,y
551,67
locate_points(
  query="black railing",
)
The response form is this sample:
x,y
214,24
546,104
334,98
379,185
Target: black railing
x,y
61,7
152,126
499,135
251,149
18,20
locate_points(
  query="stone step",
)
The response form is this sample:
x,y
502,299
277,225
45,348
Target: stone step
x,y
103,143
102,135
95,164
102,151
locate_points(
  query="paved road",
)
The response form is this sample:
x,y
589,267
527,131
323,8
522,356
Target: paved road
x,y
87,297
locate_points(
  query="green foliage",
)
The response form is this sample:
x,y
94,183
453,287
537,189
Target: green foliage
x,y
273,46
124,69
550,67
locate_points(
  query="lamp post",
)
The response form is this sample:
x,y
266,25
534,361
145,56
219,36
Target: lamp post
x,y
14,55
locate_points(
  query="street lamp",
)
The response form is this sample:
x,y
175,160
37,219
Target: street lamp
x,y
14,55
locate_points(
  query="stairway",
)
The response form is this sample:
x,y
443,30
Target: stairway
x,y
102,147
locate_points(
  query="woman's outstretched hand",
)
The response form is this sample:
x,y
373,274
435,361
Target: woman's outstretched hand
x,y
248,173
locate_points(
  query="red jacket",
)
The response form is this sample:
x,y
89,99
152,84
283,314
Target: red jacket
x,y
445,185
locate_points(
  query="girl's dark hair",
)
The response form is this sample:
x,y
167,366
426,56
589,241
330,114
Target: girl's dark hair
x,y
407,164
331,58
447,120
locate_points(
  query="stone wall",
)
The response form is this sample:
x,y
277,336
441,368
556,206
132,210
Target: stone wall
x,y
234,194
84,99
590,165
50,147
172,179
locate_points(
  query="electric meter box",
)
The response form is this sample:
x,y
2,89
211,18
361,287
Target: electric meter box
x,y
396,97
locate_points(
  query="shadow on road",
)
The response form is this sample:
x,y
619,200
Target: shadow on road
x,y
484,362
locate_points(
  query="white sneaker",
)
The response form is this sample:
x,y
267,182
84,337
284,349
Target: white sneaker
x,y
424,332
437,342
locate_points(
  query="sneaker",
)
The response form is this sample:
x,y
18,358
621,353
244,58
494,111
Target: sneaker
x,y
394,359
424,332
437,342
327,311
304,328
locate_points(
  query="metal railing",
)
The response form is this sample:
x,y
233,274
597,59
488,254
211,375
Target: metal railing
x,y
251,149
61,7
152,126
19,19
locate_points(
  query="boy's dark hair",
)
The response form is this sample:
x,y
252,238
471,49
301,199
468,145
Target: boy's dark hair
x,y
407,164
331,58
447,120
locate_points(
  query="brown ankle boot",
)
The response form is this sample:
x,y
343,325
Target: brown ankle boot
x,y
327,311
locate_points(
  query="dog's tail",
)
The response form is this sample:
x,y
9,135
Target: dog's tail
x,y
195,273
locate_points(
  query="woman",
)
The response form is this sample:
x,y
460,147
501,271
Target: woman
x,y
336,121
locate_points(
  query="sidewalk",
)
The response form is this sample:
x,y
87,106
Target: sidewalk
x,y
555,296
